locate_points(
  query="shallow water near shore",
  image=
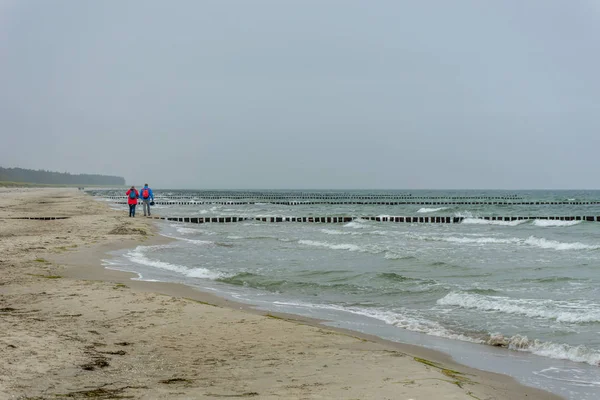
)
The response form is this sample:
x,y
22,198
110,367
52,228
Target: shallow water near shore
x,y
530,286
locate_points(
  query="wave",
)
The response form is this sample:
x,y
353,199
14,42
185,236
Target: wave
x,y
390,255
553,279
325,272
481,240
402,319
530,241
394,277
199,242
382,233
481,221
340,246
256,281
334,281
571,312
560,351
471,220
415,285
465,214
358,223
259,237
428,210
138,256
482,291
450,265
185,231
555,245
549,223
194,241
338,232
411,321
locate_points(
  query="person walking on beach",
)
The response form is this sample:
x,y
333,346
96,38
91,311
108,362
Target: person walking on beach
x,y
132,199
147,196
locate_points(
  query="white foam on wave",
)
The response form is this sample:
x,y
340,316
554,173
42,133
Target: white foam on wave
x,y
549,223
572,312
559,351
194,241
185,231
382,233
403,319
481,240
481,221
555,245
335,232
138,256
390,255
198,242
400,319
338,232
357,224
340,246
531,241
428,210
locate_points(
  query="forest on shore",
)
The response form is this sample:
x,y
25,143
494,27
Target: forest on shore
x,y
18,175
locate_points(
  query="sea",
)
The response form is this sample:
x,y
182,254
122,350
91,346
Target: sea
x,y
518,297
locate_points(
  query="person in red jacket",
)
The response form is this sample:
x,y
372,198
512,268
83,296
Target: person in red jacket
x,y
132,200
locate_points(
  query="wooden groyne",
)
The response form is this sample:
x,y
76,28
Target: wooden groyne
x,y
256,196
368,202
38,218
346,219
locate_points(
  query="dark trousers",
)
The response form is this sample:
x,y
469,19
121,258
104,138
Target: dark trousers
x,y
132,210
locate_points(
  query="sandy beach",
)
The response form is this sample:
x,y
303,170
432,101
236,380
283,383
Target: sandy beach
x,y
72,329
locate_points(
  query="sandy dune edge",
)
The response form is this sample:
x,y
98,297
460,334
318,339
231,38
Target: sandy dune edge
x,y
71,329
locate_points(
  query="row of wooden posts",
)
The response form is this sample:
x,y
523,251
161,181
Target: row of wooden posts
x,y
255,196
387,203
346,219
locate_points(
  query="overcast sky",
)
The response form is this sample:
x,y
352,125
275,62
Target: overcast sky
x,y
304,94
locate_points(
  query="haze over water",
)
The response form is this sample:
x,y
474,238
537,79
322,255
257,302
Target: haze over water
x,y
530,285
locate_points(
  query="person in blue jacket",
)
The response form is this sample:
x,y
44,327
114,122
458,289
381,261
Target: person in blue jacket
x,y
147,196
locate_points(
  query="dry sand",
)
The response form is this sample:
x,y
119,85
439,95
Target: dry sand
x,y
72,329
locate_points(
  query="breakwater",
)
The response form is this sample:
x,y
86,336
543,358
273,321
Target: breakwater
x,y
346,219
258,196
372,202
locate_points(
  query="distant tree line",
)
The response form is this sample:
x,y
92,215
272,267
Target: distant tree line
x,y
57,178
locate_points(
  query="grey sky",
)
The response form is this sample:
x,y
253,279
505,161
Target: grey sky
x,y
305,94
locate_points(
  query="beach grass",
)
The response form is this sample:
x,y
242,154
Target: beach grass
x,y
46,276
459,378
201,302
120,286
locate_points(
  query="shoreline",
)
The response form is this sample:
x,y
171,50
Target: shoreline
x,y
304,358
